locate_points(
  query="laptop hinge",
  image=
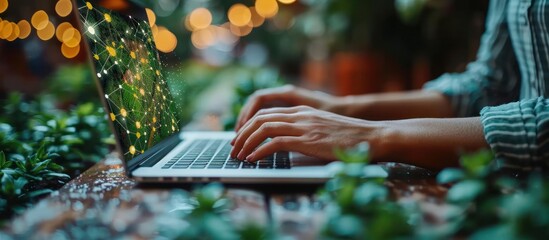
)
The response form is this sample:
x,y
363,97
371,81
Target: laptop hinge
x,y
154,154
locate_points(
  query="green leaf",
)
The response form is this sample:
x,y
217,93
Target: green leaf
x,y
450,175
357,154
40,166
477,163
38,193
347,226
370,192
58,175
500,232
465,191
4,163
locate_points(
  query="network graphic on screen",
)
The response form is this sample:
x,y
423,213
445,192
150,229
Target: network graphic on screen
x,y
129,71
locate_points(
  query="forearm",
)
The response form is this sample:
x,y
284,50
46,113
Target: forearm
x,y
392,106
431,143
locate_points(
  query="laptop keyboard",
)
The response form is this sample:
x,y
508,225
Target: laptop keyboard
x,y
214,154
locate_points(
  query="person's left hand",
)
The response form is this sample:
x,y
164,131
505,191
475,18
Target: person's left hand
x,y
301,129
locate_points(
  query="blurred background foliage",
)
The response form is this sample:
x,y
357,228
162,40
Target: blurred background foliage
x,y
52,125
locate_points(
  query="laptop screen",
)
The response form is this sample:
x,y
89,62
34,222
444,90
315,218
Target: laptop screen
x,y
139,102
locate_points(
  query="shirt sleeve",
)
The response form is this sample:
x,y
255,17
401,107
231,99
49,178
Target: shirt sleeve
x,y
518,132
492,79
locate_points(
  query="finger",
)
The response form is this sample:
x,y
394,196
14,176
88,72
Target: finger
x,y
268,130
255,124
275,110
260,98
293,144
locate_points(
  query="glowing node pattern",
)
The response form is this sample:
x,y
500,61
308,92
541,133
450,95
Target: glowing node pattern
x,y
127,66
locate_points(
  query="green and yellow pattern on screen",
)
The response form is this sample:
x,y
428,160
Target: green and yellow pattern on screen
x,y
128,68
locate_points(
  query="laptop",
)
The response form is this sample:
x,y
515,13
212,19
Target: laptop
x,y
144,119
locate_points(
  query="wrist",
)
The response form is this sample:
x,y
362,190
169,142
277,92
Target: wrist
x,y
357,106
382,140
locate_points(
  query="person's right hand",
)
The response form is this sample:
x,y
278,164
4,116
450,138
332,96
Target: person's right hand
x,y
289,95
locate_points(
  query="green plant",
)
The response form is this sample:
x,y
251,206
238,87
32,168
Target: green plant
x,y
495,204
207,217
358,203
41,146
24,179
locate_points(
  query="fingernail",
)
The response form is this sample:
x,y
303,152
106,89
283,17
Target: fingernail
x,y
240,156
250,157
232,141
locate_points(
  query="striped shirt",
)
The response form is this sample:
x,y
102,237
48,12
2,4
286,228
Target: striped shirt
x,y
508,84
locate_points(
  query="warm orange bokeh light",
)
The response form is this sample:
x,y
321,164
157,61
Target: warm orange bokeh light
x,y
61,28
203,38
7,28
286,1
47,32
239,15
24,28
200,18
63,8
241,31
154,30
151,16
71,37
266,8
70,52
165,40
40,20
3,5
14,33
224,34
257,20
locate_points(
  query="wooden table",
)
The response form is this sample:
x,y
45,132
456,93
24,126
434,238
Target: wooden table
x,y
103,200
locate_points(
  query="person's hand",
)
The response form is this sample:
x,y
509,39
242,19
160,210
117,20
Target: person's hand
x,y
302,129
291,95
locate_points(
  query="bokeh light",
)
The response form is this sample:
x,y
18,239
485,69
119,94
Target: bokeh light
x,y
154,30
165,40
257,20
187,23
266,8
241,31
203,38
47,32
151,16
3,5
63,8
61,28
239,15
225,36
70,52
71,37
286,1
40,20
14,33
200,18
7,28
24,28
